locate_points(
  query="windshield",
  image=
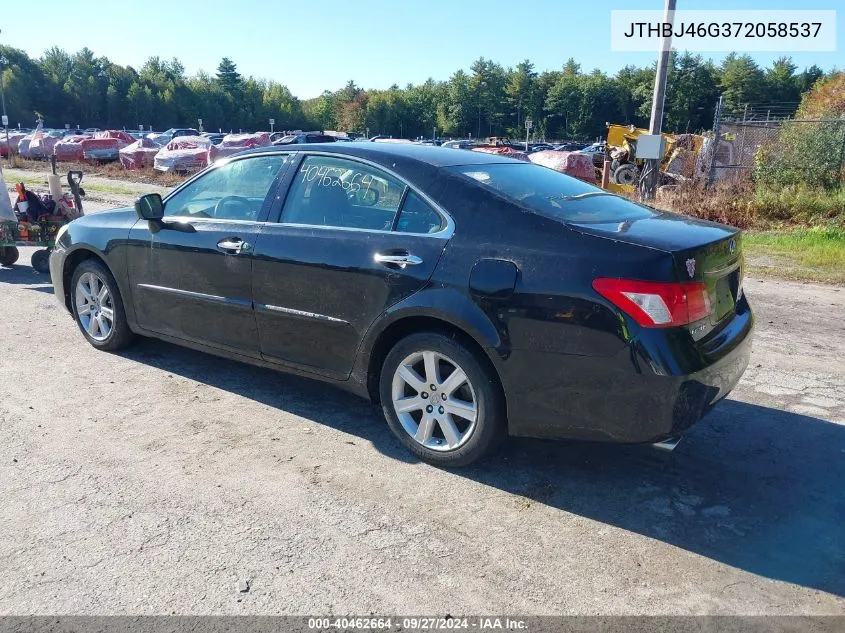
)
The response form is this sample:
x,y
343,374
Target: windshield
x,y
553,194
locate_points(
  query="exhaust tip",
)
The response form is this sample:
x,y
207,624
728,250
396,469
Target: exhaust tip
x,y
668,444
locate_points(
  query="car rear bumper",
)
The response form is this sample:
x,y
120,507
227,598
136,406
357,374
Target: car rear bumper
x,y
654,389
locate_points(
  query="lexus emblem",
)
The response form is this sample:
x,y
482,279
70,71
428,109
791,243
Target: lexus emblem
x,y
732,246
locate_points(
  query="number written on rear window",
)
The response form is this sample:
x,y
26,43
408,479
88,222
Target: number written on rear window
x,y
342,193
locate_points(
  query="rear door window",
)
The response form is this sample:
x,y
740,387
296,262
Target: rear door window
x,y
342,193
417,217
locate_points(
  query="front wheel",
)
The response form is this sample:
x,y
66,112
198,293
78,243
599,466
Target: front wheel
x,y
98,307
440,400
8,255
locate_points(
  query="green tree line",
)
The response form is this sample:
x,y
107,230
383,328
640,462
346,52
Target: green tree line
x,y
487,99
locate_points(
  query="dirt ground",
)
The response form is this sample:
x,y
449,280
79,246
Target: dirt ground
x,y
161,480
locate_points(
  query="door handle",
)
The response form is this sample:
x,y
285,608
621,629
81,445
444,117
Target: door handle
x,y
398,260
234,245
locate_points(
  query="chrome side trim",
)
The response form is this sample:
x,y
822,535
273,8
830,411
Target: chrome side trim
x,y
299,313
241,303
187,219
441,235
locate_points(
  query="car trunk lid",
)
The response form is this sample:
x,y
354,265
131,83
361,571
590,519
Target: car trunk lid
x,y
702,251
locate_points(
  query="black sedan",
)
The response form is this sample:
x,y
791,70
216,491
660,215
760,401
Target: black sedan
x,y
473,296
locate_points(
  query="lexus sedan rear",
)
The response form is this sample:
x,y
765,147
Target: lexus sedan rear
x,y
472,296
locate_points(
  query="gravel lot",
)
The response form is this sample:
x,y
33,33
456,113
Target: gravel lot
x,y
161,480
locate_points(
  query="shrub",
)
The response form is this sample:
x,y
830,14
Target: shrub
x,y
808,154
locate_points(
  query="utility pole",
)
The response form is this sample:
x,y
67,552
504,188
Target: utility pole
x,y
5,116
3,62
648,180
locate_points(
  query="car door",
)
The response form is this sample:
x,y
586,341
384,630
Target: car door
x,y
190,274
351,241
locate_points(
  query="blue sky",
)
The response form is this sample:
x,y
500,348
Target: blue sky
x,y
315,45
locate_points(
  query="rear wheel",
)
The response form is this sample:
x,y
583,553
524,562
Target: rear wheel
x,y
41,261
8,255
98,307
440,401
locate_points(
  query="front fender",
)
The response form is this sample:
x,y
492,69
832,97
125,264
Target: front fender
x,y
103,235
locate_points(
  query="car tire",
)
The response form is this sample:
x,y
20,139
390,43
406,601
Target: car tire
x,y
459,421
9,255
100,315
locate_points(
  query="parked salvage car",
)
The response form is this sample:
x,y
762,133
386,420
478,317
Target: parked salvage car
x,y
461,144
305,137
570,147
165,137
537,147
477,297
183,154
597,153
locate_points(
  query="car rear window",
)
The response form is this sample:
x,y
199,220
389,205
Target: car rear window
x,y
554,194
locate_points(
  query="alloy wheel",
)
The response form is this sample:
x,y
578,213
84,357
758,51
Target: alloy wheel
x,y
434,401
94,306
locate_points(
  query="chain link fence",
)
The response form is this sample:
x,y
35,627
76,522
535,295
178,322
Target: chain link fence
x,y
783,152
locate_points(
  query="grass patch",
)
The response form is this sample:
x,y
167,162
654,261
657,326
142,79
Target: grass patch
x,y
815,254
114,170
799,205
747,206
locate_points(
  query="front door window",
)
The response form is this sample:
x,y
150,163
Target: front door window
x,y
233,191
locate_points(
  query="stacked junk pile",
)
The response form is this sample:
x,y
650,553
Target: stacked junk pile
x,y
685,157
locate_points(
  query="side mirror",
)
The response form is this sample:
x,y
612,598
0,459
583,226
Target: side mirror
x,y
150,207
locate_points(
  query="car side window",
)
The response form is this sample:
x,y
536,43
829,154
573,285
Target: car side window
x,y
234,191
343,193
417,217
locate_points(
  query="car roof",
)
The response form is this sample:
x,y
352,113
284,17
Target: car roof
x,y
385,153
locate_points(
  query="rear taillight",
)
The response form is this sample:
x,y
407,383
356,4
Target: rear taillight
x,y
656,304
